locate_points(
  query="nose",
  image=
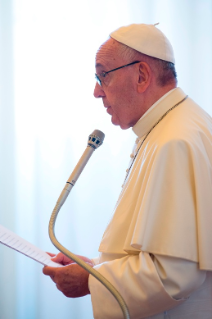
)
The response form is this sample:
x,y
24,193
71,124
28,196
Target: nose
x,y
98,91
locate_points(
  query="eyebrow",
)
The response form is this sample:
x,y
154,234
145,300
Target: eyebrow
x,y
99,65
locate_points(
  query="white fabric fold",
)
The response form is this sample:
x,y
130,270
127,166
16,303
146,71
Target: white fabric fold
x,y
138,281
146,284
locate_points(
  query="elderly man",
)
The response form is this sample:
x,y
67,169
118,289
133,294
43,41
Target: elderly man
x,y
157,248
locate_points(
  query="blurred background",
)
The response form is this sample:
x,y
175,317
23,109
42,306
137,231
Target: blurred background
x,y
47,111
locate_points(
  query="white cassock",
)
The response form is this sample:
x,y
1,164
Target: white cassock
x,y
157,249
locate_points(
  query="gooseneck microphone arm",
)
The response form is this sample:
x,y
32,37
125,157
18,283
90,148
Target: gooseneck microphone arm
x,y
94,141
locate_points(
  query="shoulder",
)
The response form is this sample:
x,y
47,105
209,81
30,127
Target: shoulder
x,y
187,124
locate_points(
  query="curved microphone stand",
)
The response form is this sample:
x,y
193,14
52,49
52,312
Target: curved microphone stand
x,y
94,141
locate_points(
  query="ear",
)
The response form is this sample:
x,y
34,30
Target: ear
x,y
144,78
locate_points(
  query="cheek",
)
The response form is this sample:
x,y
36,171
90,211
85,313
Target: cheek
x,y
121,97
116,94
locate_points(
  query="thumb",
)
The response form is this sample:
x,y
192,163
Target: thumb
x,y
49,271
62,259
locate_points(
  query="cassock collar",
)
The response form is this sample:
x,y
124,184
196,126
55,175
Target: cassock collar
x,y
157,110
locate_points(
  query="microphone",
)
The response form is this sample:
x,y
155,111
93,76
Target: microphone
x,y
95,140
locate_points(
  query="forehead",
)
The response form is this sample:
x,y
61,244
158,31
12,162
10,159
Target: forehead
x,y
108,54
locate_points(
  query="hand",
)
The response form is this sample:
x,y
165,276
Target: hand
x,y
71,280
64,260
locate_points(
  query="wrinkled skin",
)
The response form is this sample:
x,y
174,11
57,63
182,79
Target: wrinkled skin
x,y
71,280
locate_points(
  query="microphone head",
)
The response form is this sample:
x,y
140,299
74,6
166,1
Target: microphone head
x,y
96,139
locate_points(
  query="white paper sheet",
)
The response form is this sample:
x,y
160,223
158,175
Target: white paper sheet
x,y
10,239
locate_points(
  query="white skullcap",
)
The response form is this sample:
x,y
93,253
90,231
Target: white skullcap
x,y
147,39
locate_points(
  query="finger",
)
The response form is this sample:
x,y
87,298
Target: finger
x,y
62,259
49,271
50,254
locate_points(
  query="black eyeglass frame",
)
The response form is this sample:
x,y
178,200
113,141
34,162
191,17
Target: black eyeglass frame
x,y
103,74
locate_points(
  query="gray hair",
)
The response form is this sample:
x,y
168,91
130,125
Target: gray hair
x,y
165,71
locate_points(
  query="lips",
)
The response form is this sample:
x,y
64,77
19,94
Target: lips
x,y
108,107
109,110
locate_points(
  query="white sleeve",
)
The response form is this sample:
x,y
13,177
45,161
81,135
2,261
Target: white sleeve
x,y
180,277
95,260
138,280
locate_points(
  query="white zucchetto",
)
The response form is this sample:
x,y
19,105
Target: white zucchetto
x,y
147,39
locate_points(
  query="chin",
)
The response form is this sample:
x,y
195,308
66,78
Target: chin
x,y
115,120
122,126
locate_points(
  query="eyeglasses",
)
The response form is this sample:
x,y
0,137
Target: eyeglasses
x,y
103,74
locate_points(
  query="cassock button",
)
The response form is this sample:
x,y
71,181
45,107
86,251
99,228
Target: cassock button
x,y
132,155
